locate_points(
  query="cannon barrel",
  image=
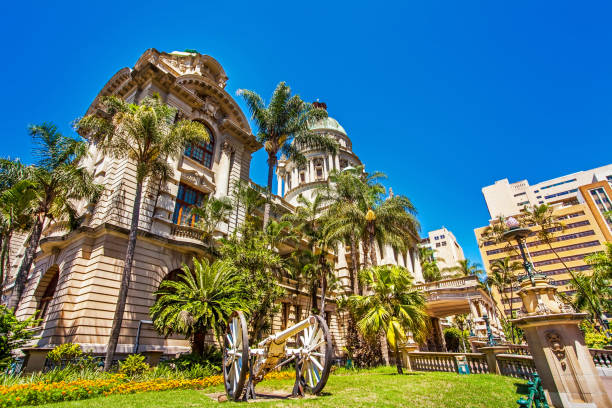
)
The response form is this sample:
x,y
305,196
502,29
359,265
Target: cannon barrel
x,y
282,336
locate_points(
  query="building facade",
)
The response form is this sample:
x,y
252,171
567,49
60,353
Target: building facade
x,y
76,274
506,199
447,250
582,207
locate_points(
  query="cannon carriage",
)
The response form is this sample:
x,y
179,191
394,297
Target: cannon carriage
x,y
245,366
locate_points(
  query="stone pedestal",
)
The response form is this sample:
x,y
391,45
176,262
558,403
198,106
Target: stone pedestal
x,y
35,358
408,347
152,356
562,360
491,355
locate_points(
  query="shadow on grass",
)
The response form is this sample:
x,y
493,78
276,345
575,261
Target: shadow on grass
x,y
522,388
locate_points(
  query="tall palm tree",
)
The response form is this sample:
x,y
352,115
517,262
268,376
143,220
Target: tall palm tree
x,y
502,277
198,301
379,220
148,136
543,217
602,261
212,212
307,221
349,191
465,267
16,214
393,308
248,197
59,181
593,295
429,264
283,126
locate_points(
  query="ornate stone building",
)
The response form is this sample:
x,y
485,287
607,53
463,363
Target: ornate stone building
x,y
76,274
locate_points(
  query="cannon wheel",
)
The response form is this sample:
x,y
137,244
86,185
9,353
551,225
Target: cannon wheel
x,y
312,368
235,356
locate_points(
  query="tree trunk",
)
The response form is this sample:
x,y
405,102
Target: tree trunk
x,y
125,280
313,298
271,164
4,259
323,291
26,263
373,253
384,348
355,261
365,245
198,343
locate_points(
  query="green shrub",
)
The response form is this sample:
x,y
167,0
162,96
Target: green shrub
x,y
210,357
66,352
14,334
133,365
593,338
453,338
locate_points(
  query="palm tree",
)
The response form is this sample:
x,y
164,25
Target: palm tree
x,y
542,216
429,264
348,193
601,261
393,308
198,301
502,277
593,295
379,220
16,214
148,137
307,221
248,197
59,182
465,267
212,212
283,126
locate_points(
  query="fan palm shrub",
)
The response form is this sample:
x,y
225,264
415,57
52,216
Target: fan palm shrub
x,y
198,301
393,308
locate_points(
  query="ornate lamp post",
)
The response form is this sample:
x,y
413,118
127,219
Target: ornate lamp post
x,y
515,232
490,339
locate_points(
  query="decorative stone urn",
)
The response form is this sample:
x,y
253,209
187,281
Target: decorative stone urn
x,y
561,357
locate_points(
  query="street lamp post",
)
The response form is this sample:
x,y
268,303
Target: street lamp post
x,y
515,232
490,339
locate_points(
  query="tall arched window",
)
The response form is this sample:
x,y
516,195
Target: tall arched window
x,y
47,296
202,152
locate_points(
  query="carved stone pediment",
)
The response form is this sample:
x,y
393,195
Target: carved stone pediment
x,y
199,180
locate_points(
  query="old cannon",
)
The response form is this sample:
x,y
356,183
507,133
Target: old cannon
x,y
244,366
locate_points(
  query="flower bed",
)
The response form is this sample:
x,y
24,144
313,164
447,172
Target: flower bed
x,y
46,392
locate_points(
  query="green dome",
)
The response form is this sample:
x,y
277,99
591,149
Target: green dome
x,y
329,123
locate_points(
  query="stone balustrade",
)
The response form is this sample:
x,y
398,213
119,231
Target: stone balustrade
x,y
466,281
426,361
56,229
184,231
517,366
602,358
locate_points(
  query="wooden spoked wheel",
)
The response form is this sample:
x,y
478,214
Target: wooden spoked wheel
x,y
235,356
314,363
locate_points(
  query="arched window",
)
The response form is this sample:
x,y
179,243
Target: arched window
x,y
202,152
47,296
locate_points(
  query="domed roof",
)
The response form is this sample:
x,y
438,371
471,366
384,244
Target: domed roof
x,y
328,123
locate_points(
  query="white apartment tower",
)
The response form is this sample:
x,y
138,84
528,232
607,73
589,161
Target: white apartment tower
x,y
505,198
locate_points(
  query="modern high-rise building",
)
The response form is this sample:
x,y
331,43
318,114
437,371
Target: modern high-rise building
x,y
580,201
505,198
447,250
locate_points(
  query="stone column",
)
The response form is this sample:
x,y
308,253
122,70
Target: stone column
x,y
491,355
418,272
35,359
279,181
400,259
342,268
557,346
337,161
311,173
222,176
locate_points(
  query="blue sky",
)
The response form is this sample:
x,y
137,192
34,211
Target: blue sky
x,y
445,97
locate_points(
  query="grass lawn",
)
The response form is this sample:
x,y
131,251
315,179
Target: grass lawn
x,y
380,388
